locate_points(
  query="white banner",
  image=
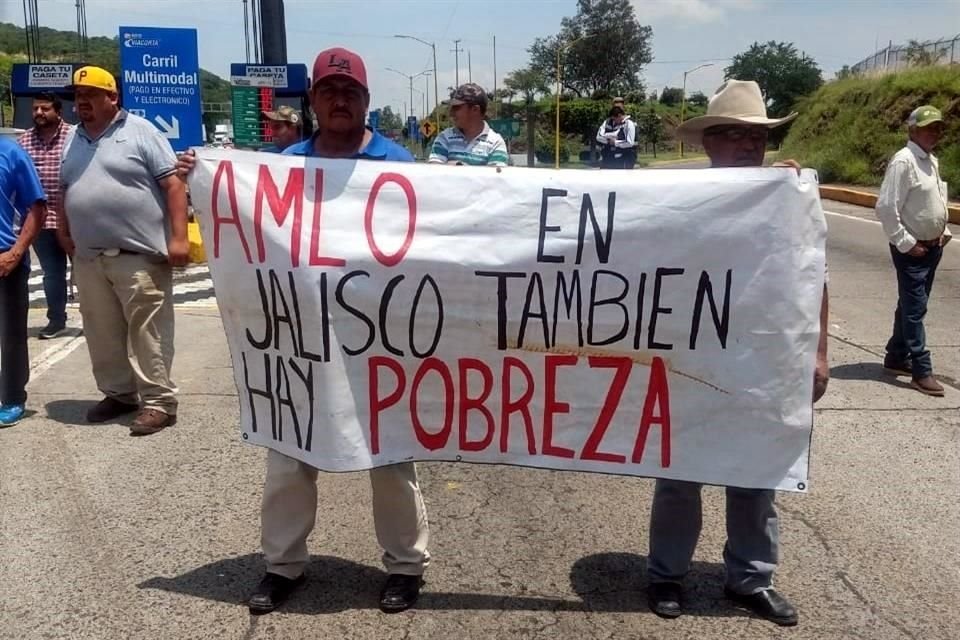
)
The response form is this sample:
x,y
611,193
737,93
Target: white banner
x,y
651,323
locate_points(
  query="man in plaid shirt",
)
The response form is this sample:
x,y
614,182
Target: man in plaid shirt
x,y
45,143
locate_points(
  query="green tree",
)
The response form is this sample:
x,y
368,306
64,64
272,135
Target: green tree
x,y
844,73
919,55
698,99
527,83
671,96
389,120
606,49
784,75
650,129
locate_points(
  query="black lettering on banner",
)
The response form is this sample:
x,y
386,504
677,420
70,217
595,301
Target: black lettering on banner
x,y
413,317
616,300
536,284
324,320
662,272
308,385
276,291
267,324
283,382
720,320
544,228
567,295
355,313
501,277
602,240
253,393
638,324
384,311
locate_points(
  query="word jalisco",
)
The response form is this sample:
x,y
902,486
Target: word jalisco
x,y
497,404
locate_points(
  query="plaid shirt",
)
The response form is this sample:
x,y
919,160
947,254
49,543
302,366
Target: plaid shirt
x,y
47,157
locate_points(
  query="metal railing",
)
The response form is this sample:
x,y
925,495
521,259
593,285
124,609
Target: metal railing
x,y
894,57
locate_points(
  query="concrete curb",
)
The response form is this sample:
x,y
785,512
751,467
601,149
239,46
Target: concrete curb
x,y
867,199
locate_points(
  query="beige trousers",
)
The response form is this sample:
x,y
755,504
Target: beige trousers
x,y
289,513
127,306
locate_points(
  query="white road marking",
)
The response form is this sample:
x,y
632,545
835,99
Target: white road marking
x,y
53,355
850,217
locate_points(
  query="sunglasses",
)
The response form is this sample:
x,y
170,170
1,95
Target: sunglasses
x,y
738,133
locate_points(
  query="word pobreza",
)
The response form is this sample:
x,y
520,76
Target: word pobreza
x,y
659,324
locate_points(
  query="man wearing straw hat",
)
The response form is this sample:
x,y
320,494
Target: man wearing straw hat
x,y
733,134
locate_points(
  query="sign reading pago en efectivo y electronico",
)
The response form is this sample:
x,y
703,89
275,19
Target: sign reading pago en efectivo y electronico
x,y
161,81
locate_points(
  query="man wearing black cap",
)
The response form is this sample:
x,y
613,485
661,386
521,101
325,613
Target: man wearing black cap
x,y
470,140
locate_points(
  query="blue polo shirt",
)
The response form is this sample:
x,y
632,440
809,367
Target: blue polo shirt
x,y
379,148
19,190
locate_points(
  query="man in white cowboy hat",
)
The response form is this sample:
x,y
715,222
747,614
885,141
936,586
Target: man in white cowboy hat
x,y
913,209
733,134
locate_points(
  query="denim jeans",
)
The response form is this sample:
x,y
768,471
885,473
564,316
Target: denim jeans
x,y
53,261
14,358
914,283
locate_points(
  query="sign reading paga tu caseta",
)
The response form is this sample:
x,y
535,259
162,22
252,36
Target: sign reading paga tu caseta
x,y
50,76
161,81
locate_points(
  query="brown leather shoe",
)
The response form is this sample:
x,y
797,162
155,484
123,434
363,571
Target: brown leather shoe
x,y
150,421
109,409
928,385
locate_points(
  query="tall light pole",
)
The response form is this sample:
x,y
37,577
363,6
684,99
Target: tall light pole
x,y
410,78
683,96
560,49
436,88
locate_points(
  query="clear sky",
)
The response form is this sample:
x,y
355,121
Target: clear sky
x,y
686,33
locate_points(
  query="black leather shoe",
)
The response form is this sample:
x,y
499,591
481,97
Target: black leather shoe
x,y
663,598
768,604
109,409
399,593
272,592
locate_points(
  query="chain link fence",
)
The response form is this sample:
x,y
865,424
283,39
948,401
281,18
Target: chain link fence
x,y
894,57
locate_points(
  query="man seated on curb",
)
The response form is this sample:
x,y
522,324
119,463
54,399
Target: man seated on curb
x,y
733,134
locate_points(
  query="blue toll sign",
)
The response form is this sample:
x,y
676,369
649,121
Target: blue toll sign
x,y
160,77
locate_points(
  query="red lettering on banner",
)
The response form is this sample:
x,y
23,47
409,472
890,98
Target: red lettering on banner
x,y
550,404
522,405
433,441
377,403
467,404
225,169
658,393
623,368
316,260
279,208
394,258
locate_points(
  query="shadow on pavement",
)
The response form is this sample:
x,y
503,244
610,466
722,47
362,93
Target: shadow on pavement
x,y
868,371
611,582
71,412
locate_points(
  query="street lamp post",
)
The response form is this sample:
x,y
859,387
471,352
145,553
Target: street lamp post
x,y
410,79
436,88
683,96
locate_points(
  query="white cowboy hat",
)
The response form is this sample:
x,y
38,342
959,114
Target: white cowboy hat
x,y
735,102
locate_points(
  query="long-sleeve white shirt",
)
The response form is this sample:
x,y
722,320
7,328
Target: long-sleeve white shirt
x,y
629,134
912,205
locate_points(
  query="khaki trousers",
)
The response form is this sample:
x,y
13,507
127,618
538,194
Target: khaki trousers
x,y
127,306
289,514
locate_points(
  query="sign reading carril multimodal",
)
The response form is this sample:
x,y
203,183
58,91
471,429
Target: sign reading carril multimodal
x,y
660,325
160,77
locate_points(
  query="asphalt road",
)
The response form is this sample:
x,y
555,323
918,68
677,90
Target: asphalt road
x,y
106,536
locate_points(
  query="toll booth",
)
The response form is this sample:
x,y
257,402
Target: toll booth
x,y
256,88
27,80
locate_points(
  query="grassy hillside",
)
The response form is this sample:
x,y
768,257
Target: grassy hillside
x,y
849,128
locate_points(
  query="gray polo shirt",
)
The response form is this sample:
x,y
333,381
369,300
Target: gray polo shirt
x,y
112,199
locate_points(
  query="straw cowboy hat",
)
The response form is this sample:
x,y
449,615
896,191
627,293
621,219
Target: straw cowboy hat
x,y
735,102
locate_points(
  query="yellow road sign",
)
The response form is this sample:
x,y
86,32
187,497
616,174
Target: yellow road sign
x,y
427,128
